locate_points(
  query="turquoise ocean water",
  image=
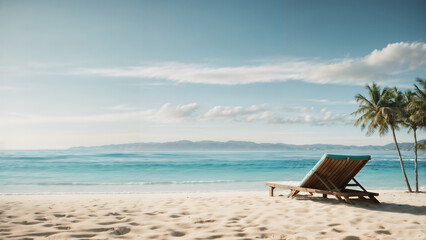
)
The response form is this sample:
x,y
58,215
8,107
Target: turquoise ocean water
x,y
66,171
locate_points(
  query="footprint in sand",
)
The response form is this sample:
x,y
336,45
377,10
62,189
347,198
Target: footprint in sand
x,y
108,223
351,238
98,229
177,234
215,237
205,221
42,234
121,231
337,230
26,223
63,227
113,214
266,236
334,224
83,235
59,215
386,232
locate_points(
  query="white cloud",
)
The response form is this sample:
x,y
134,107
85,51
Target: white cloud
x,y
230,112
167,113
178,113
399,54
164,114
309,115
307,109
319,118
265,116
383,65
194,73
304,115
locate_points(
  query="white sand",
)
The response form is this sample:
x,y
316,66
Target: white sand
x,y
242,215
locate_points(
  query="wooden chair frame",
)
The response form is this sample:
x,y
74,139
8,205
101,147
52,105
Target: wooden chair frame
x,y
342,194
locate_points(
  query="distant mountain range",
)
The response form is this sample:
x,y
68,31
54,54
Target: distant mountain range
x,y
185,145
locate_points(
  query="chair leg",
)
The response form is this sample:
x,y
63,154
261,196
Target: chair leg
x,y
292,193
347,200
271,191
339,198
372,198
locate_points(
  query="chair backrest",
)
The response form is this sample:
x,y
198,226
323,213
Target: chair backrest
x,y
339,169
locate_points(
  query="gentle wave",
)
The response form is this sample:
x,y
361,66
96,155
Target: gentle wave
x,y
65,155
62,157
154,183
141,183
84,171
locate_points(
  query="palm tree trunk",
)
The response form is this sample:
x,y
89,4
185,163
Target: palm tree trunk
x,y
400,158
415,159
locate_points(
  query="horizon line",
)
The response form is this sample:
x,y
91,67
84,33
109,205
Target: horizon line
x,y
185,140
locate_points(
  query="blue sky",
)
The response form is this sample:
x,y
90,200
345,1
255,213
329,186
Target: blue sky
x,y
89,73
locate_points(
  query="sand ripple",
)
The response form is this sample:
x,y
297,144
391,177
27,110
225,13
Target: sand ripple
x,y
249,215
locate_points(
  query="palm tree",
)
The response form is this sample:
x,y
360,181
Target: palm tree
x,y
412,123
416,117
380,111
419,101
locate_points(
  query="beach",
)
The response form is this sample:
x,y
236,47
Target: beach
x,y
211,215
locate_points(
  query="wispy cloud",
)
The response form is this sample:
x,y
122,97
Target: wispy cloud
x,y
195,73
165,113
321,118
384,65
178,113
310,115
302,115
234,112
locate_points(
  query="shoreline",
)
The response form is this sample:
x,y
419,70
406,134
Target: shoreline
x,y
179,192
215,192
211,215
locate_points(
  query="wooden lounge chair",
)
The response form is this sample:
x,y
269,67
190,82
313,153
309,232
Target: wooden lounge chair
x,y
330,176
